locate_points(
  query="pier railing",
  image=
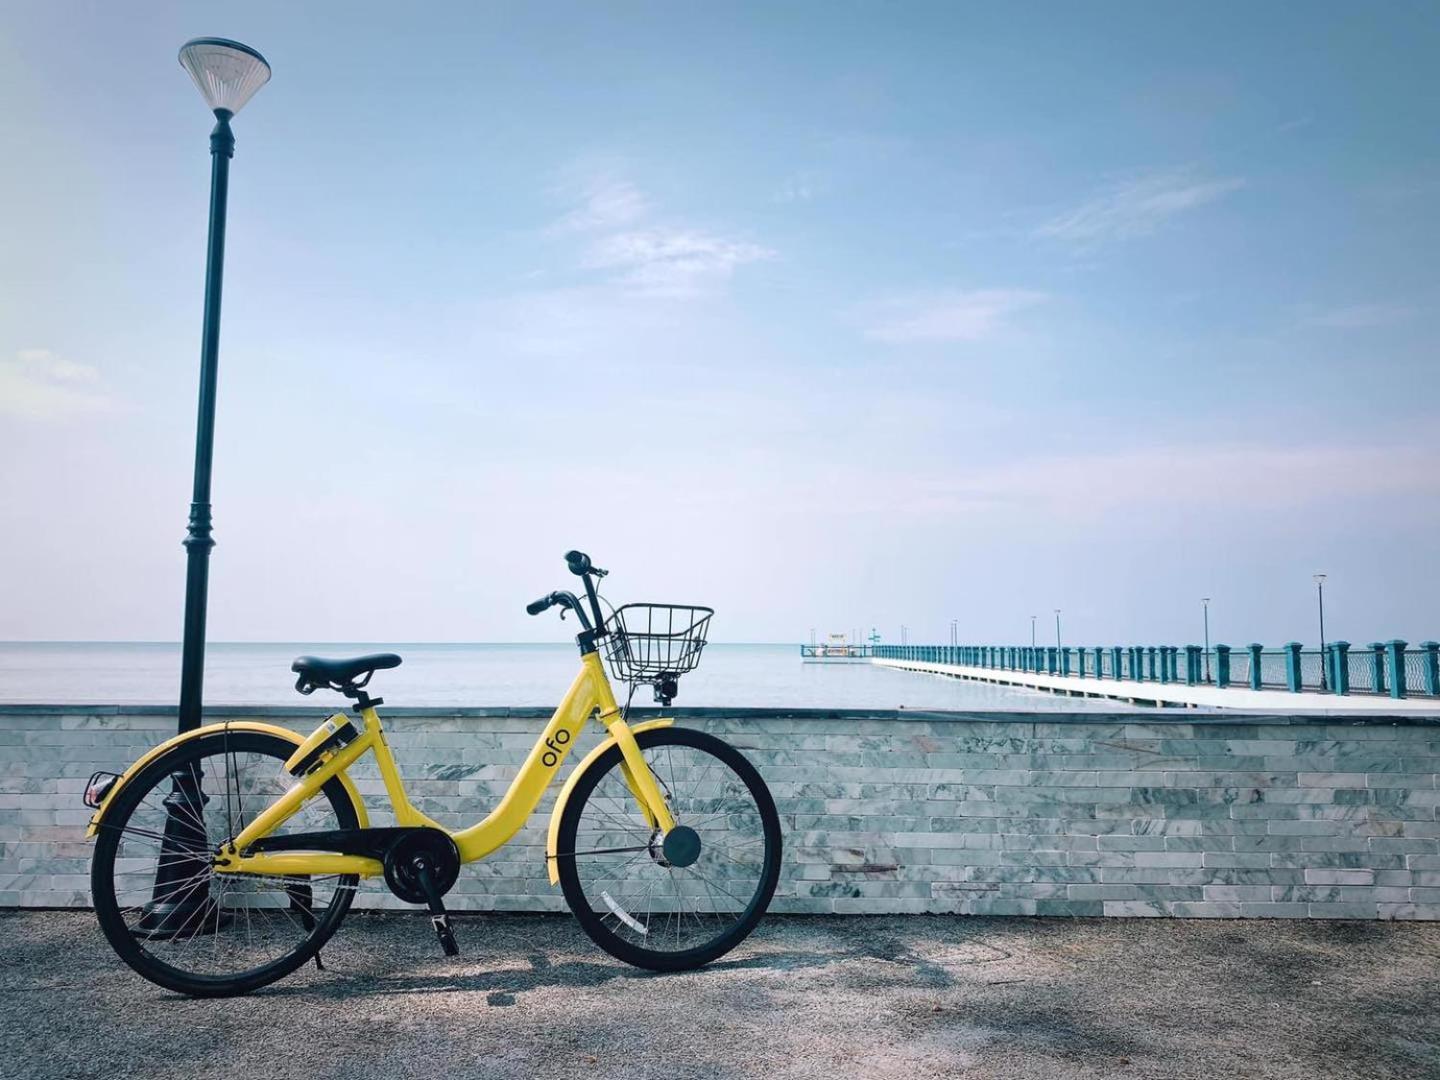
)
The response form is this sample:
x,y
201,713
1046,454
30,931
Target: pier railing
x,y
1390,668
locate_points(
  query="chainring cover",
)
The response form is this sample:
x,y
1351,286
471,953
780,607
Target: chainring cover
x,y
440,851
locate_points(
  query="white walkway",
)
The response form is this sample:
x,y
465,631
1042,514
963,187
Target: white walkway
x,y
1181,696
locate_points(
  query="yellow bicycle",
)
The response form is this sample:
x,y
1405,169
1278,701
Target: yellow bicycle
x,y
226,857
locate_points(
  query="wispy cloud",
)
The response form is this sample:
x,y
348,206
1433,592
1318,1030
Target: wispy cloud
x,y
40,385
1264,480
1361,316
798,189
644,255
605,203
1136,207
948,316
673,262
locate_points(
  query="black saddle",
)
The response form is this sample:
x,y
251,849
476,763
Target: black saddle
x,y
318,673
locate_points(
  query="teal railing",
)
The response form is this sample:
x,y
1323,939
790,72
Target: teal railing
x,y
1391,668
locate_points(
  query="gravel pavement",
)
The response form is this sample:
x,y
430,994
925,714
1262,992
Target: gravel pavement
x,y
912,996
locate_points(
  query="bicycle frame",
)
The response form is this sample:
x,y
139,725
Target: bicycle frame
x,y
589,695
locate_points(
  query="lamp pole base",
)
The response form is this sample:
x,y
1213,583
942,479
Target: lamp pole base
x,y
162,922
180,903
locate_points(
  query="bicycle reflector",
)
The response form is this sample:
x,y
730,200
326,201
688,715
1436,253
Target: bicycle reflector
x,y
99,786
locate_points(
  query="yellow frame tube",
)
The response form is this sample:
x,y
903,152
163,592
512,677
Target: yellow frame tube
x,y
588,695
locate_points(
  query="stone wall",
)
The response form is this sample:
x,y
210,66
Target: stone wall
x,y
1011,814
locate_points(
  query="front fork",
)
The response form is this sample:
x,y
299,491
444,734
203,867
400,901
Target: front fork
x,y
638,776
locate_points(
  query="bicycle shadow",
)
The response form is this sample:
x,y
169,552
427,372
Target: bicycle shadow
x,y
503,985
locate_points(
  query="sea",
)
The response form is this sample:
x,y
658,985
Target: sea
x,y
769,676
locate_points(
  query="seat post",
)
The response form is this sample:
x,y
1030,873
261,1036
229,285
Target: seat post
x,y
362,700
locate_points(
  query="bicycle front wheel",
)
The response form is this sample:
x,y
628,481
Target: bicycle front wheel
x,y
675,901
160,903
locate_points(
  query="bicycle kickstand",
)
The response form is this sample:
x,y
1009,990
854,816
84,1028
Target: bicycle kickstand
x,y
439,918
302,901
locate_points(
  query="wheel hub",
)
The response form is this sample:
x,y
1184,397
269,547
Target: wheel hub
x,y
681,846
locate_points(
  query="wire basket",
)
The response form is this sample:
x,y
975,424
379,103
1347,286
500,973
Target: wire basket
x,y
645,642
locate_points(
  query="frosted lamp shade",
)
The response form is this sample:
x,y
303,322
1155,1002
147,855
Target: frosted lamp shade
x,y
226,72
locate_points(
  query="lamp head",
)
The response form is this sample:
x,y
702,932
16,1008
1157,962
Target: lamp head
x,y
226,73
1319,579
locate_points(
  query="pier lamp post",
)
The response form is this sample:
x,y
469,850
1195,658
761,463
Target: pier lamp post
x,y
227,74
1032,631
1205,603
1320,597
1057,629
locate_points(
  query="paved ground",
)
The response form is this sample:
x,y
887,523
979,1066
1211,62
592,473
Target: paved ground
x,y
906,997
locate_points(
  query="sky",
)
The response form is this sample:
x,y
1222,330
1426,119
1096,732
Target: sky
x,y
827,315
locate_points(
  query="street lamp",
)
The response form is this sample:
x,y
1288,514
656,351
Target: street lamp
x,y
1320,596
1032,631
1057,629
1205,603
227,74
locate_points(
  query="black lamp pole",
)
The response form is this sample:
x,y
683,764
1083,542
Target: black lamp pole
x,y
1320,597
1057,629
227,74
198,541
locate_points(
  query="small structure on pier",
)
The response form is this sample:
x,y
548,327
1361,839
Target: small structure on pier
x,y
836,647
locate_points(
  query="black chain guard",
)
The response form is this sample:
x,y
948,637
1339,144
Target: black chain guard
x,y
441,852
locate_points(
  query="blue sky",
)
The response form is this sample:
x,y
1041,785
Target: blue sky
x,y
829,315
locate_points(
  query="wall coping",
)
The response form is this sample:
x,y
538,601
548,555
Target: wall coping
x,y
1146,716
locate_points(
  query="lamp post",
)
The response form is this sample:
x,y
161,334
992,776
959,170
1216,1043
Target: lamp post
x,y
1032,631
1057,629
1205,603
227,74
1320,597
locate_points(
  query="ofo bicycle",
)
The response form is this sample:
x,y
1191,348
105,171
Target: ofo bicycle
x,y
227,857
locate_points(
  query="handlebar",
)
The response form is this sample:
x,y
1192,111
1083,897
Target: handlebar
x,y
581,566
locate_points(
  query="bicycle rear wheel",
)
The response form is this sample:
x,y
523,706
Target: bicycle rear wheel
x,y
668,903
198,932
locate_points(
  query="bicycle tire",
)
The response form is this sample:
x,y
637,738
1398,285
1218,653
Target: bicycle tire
x,y
112,917
593,922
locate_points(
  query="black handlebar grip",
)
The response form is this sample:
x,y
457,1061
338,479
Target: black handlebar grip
x,y
535,607
578,562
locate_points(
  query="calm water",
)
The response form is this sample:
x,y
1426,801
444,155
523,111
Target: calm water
x,y
749,675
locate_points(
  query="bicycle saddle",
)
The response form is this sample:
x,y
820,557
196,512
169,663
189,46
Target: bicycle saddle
x,y
317,672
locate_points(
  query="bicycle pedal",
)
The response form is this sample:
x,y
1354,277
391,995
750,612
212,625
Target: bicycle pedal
x,y
448,944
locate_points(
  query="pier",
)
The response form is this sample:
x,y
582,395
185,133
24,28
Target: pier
x,y
1384,677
